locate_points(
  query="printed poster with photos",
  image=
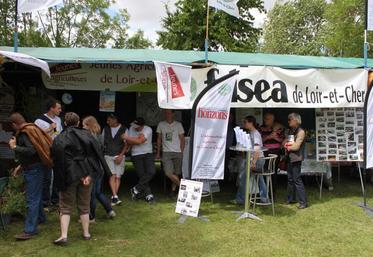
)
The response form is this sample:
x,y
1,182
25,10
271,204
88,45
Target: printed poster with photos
x,y
189,199
340,134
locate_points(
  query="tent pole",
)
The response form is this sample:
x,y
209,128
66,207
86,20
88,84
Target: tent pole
x,y
362,184
365,49
16,28
207,34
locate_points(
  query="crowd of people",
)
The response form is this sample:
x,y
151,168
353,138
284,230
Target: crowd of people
x,y
287,144
64,164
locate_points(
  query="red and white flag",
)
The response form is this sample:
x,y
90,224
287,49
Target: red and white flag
x,y
36,5
173,85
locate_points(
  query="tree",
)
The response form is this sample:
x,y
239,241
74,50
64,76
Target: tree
x,y
7,22
138,41
343,33
84,23
295,28
184,29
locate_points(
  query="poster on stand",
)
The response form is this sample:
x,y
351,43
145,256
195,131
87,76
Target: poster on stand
x,y
340,134
189,198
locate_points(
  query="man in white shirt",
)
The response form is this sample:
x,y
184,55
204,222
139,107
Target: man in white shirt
x,y
114,152
51,123
139,138
170,137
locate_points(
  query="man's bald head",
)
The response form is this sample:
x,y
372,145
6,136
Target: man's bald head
x,y
17,120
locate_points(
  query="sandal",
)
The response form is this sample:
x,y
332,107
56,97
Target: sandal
x,y
61,241
86,238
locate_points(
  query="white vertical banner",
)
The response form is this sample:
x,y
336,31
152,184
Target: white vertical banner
x,y
369,14
368,116
228,6
173,85
210,129
36,5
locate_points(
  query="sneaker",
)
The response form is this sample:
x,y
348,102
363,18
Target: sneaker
x,y
302,206
134,193
24,236
150,199
118,201
115,201
112,214
235,202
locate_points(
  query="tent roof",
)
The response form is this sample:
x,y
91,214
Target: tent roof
x,y
107,55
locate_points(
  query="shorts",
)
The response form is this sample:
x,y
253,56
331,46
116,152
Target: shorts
x,y
172,163
75,195
117,170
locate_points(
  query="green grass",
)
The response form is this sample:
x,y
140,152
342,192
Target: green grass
x,y
333,226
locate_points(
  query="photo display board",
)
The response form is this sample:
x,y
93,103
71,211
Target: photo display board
x,y
340,134
189,198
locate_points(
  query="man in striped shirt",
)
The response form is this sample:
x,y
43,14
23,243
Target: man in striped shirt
x,y
272,135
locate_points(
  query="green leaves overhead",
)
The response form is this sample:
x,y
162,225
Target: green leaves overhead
x,y
185,28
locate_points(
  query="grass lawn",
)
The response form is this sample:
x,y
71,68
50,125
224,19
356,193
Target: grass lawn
x,y
333,226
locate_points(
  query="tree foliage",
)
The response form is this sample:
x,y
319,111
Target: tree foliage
x,y
85,23
343,33
295,28
138,41
184,28
78,23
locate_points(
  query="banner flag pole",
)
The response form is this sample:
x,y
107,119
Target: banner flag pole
x,y
207,34
366,34
15,43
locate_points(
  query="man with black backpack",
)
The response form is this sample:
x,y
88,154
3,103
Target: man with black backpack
x,y
50,122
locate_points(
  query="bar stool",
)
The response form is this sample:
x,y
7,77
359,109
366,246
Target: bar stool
x,y
267,171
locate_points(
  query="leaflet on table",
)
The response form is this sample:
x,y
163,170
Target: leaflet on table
x,y
242,138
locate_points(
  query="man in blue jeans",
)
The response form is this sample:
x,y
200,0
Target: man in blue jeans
x,y
32,148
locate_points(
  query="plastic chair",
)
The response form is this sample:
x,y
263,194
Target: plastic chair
x,y
267,171
3,183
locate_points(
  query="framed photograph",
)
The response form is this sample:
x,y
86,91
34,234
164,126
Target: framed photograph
x,y
340,119
332,139
332,145
349,129
331,124
332,151
322,144
340,127
350,114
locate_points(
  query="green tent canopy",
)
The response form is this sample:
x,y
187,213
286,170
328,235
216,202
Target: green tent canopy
x,y
143,56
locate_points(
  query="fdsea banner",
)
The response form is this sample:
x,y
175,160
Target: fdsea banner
x,y
259,86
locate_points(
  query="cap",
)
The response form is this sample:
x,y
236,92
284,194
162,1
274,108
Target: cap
x,y
139,121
